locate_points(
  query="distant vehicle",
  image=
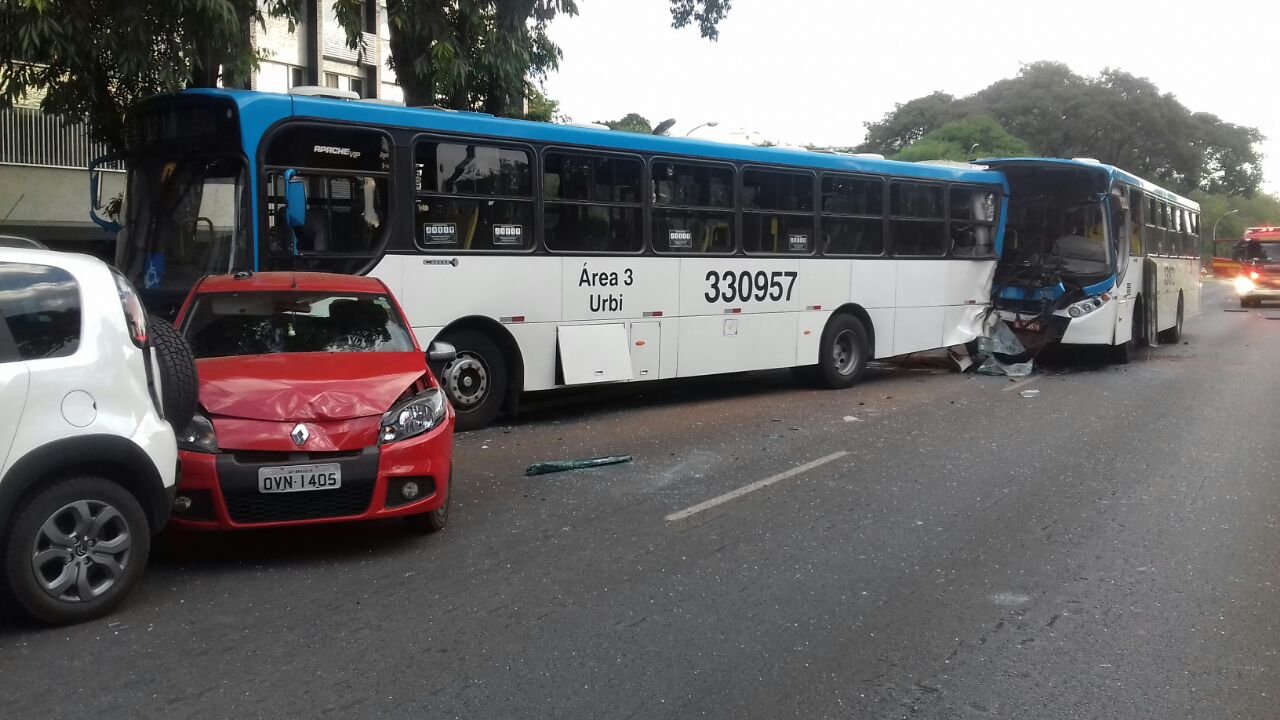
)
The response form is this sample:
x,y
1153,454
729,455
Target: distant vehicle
x,y
19,241
555,256
87,459
1258,256
1095,256
316,406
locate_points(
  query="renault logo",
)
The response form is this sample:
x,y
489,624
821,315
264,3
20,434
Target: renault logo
x,y
300,434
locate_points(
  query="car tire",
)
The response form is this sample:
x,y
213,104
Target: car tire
x,y
39,544
1173,334
179,389
476,380
436,520
843,352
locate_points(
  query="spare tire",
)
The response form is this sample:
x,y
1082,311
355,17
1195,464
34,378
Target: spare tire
x,y
177,367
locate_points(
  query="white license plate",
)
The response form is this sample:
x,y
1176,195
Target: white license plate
x,y
299,478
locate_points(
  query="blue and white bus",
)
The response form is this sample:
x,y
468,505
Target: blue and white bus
x,y
553,255
1094,255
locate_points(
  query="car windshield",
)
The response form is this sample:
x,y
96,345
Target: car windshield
x,y
262,323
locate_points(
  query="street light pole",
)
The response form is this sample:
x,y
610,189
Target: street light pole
x,y
709,123
1214,234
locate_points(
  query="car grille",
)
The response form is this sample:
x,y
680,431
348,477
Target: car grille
x,y
255,507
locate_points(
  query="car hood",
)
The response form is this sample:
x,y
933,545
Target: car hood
x,y
307,386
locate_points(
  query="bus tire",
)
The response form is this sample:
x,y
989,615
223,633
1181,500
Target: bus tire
x,y
1173,334
1123,353
843,353
476,380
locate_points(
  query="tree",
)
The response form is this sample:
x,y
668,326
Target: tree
x,y
541,108
963,140
631,122
92,59
1115,117
486,54
707,14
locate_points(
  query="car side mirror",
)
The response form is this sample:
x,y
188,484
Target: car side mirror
x,y
441,352
295,199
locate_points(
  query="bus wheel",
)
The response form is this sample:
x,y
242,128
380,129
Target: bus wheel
x,y
475,380
1174,334
1121,354
843,354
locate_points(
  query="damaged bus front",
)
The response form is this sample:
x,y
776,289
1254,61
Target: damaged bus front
x,y
1094,256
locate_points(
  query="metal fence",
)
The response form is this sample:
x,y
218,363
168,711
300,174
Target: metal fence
x,y
30,137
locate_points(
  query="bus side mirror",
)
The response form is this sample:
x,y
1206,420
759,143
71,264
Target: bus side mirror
x,y
95,195
295,199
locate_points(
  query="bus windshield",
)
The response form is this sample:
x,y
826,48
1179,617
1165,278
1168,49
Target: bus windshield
x,y
1066,234
184,221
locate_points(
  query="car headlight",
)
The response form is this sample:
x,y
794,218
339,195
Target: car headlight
x,y
1244,285
198,436
415,416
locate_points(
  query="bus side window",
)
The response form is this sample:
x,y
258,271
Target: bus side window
x,y
472,197
852,221
973,222
1135,222
693,208
918,223
777,212
593,203
1195,235
1154,235
346,173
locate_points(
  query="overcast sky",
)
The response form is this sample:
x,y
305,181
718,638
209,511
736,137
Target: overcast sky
x,y
812,71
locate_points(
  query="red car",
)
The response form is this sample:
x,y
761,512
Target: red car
x,y
316,406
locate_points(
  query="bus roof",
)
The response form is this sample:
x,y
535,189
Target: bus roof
x,y
259,111
1112,172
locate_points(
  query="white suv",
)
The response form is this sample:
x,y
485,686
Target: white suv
x,y
87,456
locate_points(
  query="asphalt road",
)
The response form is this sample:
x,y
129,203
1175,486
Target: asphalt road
x,y
1108,549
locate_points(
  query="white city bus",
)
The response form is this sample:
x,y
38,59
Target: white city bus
x,y
555,256
1095,256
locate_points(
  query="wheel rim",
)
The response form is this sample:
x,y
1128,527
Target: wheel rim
x,y
81,550
466,379
844,351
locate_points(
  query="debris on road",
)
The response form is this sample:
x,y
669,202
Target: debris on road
x,y
997,349
556,466
959,356
1030,393
850,418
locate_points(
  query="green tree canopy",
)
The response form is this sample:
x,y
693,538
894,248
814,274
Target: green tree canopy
x,y
91,60
954,141
1115,117
631,122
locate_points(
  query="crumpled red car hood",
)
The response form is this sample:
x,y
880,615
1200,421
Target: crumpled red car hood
x,y
307,386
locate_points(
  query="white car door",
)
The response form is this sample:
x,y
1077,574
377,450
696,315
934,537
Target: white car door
x,y
13,392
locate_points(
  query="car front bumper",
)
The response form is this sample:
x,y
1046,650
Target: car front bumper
x,y
219,491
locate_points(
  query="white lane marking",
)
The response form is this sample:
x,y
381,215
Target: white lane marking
x,y
745,489
1021,383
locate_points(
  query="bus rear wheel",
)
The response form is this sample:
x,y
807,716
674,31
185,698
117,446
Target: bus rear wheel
x,y
843,354
1173,334
476,380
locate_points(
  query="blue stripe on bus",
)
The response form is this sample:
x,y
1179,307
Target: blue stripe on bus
x,y
258,111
